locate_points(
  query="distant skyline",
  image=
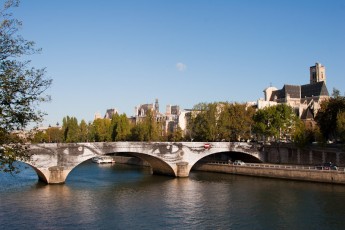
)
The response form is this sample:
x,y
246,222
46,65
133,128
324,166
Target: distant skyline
x,y
119,54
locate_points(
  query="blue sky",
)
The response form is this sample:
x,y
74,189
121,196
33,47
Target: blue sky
x,y
119,54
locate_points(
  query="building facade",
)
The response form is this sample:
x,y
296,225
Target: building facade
x,y
304,99
110,113
173,117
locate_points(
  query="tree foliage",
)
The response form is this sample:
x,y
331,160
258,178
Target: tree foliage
x,y
101,130
202,122
50,135
83,131
341,126
71,130
277,122
327,117
220,121
149,129
22,87
304,135
235,122
121,128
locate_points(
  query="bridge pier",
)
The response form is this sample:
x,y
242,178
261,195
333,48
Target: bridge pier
x,y
53,175
182,169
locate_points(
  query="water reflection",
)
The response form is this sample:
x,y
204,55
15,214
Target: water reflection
x,y
129,197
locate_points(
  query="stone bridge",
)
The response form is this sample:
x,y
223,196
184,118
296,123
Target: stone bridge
x,y
54,161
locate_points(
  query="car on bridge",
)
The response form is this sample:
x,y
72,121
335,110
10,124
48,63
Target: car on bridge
x,y
239,162
327,166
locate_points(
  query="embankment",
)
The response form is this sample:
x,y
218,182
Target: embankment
x,y
260,170
301,173
130,161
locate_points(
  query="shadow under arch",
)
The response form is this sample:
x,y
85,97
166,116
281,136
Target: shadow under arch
x,y
158,166
226,156
76,166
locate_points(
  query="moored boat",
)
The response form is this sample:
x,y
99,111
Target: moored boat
x,y
103,159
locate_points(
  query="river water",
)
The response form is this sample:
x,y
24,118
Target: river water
x,y
129,197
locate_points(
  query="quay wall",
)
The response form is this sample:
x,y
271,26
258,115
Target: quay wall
x,y
303,174
260,170
310,155
130,161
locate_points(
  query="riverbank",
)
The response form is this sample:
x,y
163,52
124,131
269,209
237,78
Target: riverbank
x,y
300,173
284,172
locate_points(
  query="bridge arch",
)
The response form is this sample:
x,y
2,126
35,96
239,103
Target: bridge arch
x,y
40,174
226,156
53,162
158,166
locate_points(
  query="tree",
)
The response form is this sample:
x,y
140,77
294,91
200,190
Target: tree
x,y
341,126
22,88
177,134
39,137
304,135
152,129
83,131
114,123
220,121
101,129
71,131
138,132
202,124
123,128
54,135
277,122
327,116
235,121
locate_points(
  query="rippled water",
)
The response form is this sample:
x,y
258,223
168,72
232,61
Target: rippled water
x,y
128,197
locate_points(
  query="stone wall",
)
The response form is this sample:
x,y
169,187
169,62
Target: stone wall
x,y
311,155
130,161
336,177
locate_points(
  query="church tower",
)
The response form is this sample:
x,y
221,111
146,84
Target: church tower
x,y
157,106
317,73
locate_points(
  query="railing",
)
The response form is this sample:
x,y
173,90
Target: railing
x,y
277,166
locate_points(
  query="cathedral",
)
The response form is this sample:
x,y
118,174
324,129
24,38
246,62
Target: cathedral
x,y
304,99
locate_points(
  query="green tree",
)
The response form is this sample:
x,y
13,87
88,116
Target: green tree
x,y
138,132
202,124
277,122
235,122
177,134
220,121
83,131
123,128
70,129
101,129
223,124
40,137
114,123
327,116
148,129
301,136
151,127
22,87
341,126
